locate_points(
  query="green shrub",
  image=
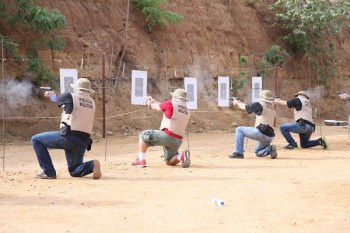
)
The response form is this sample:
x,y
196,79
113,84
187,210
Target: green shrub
x,y
273,57
154,15
243,60
238,82
24,16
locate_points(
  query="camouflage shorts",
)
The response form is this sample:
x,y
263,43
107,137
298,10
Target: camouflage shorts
x,y
159,138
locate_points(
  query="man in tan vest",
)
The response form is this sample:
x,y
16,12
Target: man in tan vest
x,y
263,132
303,125
172,130
74,135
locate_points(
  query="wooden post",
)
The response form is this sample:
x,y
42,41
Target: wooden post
x,y
276,91
3,103
103,97
276,80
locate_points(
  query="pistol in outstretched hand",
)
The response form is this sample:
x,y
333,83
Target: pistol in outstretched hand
x,y
233,98
46,88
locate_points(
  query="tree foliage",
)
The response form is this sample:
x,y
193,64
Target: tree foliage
x,y
309,25
237,83
243,60
155,15
273,57
24,16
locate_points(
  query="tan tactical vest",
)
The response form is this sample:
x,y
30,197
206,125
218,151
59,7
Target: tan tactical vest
x,y
268,114
82,116
306,110
178,122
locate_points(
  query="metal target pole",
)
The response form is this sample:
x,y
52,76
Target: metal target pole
x,y
188,141
108,100
108,107
318,101
348,129
3,103
166,67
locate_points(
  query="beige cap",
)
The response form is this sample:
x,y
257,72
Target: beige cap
x,y
180,94
266,94
303,93
83,84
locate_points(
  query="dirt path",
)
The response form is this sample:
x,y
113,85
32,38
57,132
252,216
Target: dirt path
x,y
304,190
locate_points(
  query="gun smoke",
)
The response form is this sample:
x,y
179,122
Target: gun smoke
x,y
316,93
16,93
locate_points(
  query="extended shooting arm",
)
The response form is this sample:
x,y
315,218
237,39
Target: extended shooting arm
x,y
152,103
49,94
280,102
238,103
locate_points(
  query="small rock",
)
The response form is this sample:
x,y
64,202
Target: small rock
x,y
110,133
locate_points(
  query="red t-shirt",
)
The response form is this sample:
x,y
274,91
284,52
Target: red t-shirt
x,y
167,108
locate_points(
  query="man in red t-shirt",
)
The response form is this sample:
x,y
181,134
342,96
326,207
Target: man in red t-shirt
x,y
175,119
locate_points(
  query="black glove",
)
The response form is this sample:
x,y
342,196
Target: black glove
x,y
89,144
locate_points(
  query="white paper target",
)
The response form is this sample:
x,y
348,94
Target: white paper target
x,y
256,88
67,77
191,88
223,91
138,87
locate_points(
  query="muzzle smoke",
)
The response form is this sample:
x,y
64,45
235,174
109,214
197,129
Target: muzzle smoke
x,y
315,93
16,93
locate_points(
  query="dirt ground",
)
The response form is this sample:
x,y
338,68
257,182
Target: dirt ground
x,y
304,190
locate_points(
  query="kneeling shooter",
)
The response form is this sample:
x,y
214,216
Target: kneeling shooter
x,y
74,135
263,132
172,130
303,125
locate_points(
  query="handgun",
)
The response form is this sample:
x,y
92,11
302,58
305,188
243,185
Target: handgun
x,y
148,97
233,98
46,88
341,92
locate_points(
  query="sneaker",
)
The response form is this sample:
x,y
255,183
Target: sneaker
x,y
273,152
139,163
290,147
186,162
97,170
324,143
236,156
44,176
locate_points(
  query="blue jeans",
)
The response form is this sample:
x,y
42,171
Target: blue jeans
x,y
304,131
74,154
262,147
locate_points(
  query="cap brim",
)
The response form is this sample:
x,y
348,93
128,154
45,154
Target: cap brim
x,y
297,94
266,98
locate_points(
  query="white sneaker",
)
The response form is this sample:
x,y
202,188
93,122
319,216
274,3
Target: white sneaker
x,y
186,162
